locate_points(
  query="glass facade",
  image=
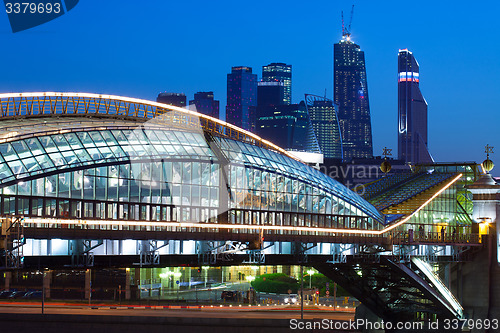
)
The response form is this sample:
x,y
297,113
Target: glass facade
x,y
155,172
412,112
325,124
241,105
351,96
279,72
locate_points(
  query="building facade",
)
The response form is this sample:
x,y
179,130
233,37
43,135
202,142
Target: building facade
x,y
412,112
351,96
269,94
325,124
242,98
289,127
174,99
279,72
206,104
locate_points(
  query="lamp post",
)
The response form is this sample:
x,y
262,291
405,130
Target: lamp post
x,y
310,272
162,276
205,269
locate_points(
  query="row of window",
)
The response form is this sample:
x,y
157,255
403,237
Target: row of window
x,y
82,209
146,182
186,184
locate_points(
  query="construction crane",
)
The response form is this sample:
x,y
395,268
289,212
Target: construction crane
x,y
346,31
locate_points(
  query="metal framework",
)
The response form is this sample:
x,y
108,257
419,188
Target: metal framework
x,y
19,105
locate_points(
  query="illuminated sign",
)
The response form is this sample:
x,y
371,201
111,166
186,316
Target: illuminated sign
x,y
408,77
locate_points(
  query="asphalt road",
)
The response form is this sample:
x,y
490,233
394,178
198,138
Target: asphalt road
x,y
205,312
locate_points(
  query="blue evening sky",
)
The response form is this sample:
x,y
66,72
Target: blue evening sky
x,y
139,48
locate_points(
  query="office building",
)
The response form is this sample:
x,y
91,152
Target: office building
x,y
412,112
205,103
351,96
325,124
279,72
242,98
174,99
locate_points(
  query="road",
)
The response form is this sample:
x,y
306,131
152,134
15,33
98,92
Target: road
x,y
198,312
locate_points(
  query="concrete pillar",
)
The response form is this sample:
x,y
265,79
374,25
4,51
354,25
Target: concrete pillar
x,y
481,298
88,283
8,277
127,284
47,278
137,278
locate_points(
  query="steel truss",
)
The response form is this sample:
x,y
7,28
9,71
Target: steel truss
x,y
214,253
81,252
391,289
149,253
13,242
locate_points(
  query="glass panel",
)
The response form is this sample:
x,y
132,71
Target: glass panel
x,y
97,138
73,140
86,139
61,142
48,144
21,149
8,152
17,167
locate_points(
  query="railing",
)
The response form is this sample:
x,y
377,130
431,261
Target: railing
x,y
411,237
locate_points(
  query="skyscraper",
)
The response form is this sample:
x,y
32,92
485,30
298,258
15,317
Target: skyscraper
x,y
289,127
325,124
412,112
351,96
269,93
242,98
174,99
279,72
205,103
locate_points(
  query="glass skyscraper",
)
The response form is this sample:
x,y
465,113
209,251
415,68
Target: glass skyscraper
x,y
205,103
279,72
412,112
289,127
242,98
351,96
286,125
325,124
174,99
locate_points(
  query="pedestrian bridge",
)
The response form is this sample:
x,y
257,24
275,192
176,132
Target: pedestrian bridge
x,y
109,181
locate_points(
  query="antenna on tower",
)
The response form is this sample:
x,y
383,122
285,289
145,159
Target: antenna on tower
x,y
346,31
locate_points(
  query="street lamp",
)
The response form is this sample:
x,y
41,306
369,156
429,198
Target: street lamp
x,y
310,272
205,269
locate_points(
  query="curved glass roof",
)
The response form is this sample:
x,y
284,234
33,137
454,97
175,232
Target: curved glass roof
x,y
33,145
95,142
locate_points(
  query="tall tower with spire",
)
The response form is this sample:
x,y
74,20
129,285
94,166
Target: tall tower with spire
x,y
351,96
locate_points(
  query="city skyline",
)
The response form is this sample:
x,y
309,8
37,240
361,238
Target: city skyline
x,y
447,55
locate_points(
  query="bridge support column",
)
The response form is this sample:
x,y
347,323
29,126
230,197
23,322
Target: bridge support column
x,y
137,278
481,292
47,278
8,277
127,284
